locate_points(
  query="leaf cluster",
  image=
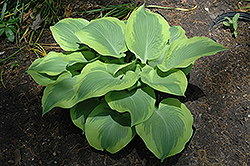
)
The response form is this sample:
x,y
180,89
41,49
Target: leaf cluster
x,y
9,28
232,23
110,72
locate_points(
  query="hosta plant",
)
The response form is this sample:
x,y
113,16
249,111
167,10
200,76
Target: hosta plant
x,y
109,75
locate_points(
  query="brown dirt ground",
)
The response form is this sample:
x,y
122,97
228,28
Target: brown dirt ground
x,y
218,97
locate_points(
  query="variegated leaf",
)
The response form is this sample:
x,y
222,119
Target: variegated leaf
x,y
64,32
105,35
167,131
176,32
46,70
147,34
81,111
137,102
96,80
108,129
60,93
75,57
174,82
183,52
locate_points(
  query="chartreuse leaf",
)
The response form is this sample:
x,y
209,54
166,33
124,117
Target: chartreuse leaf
x,y
167,131
80,112
183,52
147,34
52,64
108,129
95,80
159,59
188,121
119,69
46,70
173,82
235,18
64,32
42,79
60,93
105,35
176,32
75,57
137,102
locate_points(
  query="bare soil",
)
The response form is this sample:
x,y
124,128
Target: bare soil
x,y
218,97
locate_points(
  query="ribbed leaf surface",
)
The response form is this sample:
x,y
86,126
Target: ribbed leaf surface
x,y
64,32
96,80
107,129
138,103
105,35
59,94
167,131
183,52
174,82
147,34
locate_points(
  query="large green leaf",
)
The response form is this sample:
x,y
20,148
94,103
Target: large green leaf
x,y
81,111
176,32
47,69
41,78
188,121
182,52
60,93
159,59
52,64
137,102
108,129
167,131
64,32
147,34
75,57
119,69
105,35
96,80
173,82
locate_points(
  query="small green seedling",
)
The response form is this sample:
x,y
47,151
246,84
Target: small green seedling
x,y
9,28
232,23
14,64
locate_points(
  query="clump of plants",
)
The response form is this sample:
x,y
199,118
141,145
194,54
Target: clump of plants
x,y
109,75
8,28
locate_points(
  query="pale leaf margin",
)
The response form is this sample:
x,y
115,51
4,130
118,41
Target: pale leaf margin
x,y
64,32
